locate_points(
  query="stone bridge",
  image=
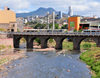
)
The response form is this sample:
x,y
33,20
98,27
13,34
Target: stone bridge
x,y
77,38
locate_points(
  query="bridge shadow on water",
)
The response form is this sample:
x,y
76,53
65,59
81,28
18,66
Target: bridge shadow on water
x,y
57,51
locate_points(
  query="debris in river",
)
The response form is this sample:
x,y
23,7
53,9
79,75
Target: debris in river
x,y
68,70
56,77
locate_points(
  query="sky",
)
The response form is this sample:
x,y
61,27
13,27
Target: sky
x,y
80,7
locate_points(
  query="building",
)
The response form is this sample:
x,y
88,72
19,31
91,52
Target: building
x,y
59,16
70,12
73,23
20,24
8,20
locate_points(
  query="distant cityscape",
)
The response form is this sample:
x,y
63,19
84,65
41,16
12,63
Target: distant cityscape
x,y
43,16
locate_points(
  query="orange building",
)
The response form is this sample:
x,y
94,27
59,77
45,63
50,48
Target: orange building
x,y
8,20
73,23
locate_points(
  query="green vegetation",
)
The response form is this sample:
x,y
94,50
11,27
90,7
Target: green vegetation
x,y
67,45
92,58
87,45
38,41
22,40
56,26
40,26
51,43
2,61
2,47
64,26
5,47
2,29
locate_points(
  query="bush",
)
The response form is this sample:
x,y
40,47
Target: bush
x,y
89,57
87,46
1,29
38,40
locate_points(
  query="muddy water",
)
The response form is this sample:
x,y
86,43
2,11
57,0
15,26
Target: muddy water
x,y
47,65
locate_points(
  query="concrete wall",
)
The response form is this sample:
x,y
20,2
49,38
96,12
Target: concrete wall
x,y
6,42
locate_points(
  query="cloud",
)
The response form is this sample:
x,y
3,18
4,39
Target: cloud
x,y
79,6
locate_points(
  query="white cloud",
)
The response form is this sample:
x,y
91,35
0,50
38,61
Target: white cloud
x,y
81,6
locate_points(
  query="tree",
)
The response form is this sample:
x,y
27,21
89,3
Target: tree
x,y
64,26
40,26
56,26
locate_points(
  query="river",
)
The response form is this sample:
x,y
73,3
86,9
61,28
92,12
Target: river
x,y
48,65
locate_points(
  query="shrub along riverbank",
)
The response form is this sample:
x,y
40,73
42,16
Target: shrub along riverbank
x,y
92,58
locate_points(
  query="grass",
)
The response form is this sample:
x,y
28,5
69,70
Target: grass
x,y
2,29
51,43
3,60
22,40
92,58
67,45
2,47
87,45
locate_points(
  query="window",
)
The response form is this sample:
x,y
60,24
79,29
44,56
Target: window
x,y
13,25
72,24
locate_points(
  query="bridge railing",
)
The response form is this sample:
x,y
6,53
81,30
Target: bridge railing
x,y
53,33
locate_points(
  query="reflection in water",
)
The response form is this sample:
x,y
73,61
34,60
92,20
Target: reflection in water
x,y
48,65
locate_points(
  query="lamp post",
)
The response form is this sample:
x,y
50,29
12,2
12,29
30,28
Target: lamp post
x,y
48,20
53,20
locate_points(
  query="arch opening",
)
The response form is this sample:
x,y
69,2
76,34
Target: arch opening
x,y
67,44
22,43
87,43
36,43
51,43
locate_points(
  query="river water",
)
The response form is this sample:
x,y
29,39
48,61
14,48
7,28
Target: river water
x,y
48,65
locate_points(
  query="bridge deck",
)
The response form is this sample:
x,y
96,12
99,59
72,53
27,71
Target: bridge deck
x,y
54,33
58,33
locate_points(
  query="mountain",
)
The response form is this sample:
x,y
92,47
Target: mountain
x,y
40,12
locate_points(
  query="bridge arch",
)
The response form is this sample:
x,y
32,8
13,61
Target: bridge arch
x,y
30,42
51,43
78,40
17,41
36,42
67,43
22,42
44,41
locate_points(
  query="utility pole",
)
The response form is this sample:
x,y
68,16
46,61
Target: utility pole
x,y
48,20
53,20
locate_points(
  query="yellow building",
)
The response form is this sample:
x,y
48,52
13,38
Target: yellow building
x,y
8,20
73,23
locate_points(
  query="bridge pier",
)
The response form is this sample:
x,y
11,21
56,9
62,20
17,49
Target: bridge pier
x,y
29,43
59,41
97,40
15,42
43,42
76,42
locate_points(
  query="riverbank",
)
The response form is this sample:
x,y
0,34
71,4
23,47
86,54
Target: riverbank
x,y
7,53
92,58
6,43
8,56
